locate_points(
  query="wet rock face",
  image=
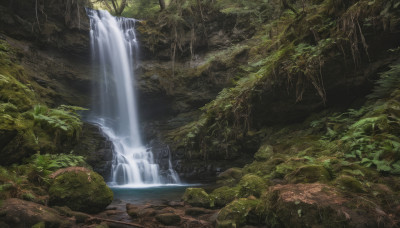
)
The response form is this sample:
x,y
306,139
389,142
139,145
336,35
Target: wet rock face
x,y
57,24
96,148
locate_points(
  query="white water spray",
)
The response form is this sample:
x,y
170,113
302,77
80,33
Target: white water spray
x,y
114,49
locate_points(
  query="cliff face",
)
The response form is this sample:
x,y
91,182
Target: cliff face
x,y
52,44
46,50
278,66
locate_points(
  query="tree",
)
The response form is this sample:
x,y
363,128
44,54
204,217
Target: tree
x,y
114,6
162,4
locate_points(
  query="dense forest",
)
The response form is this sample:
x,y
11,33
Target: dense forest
x,y
287,112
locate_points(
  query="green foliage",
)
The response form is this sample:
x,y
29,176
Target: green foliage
x,y
370,133
11,183
63,119
388,82
304,66
258,10
143,9
41,166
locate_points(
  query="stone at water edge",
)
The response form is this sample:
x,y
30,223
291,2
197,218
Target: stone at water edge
x,y
197,197
21,213
168,219
83,191
132,210
196,211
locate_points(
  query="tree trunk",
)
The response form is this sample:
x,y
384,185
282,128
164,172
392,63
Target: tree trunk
x,y
162,4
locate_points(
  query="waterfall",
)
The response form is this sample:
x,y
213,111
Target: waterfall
x,y
114,50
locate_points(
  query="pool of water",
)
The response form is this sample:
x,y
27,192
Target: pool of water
x,y
149,194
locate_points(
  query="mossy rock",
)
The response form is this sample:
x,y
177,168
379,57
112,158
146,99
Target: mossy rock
x,y
224,195
14,92
197,197
20,213
349,184
251,185
80,191
309,174
235,214
284,168
264,153
132,210
230,177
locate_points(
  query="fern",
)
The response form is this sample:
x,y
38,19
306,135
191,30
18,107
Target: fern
x,y
387,83
43,165
63,120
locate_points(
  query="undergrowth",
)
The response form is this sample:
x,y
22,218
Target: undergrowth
x,y
370,135
290,55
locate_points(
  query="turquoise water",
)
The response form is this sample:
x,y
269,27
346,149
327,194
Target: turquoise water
x,y
152,194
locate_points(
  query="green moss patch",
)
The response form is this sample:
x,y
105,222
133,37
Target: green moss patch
x,y
251,185
230,177
235,214
80,191
197,197
224,195
309,174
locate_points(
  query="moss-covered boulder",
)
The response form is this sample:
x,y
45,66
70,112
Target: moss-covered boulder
x,y
264,153
14,92
309,174
83,191
350,184
236,213
286,167
251,184
197,197
230,177
224,195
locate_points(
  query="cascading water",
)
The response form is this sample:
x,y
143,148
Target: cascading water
x,y
114,50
